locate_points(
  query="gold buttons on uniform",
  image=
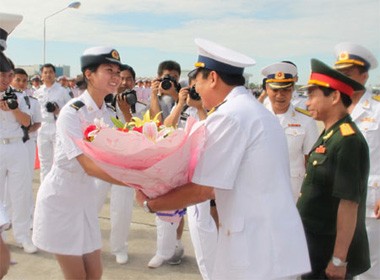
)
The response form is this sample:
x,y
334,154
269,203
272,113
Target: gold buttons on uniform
x,y
315,162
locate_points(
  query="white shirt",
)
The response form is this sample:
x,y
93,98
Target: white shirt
x,y
246,160
66,215
35,114
56,93
366,115
9,126
301,133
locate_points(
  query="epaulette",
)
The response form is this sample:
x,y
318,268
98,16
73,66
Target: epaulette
x,y
77,105
32,97
376,97
346,129
303,111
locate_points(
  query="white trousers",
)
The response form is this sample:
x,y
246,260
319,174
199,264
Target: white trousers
x,y
31,146
121,206
15,192
204,236
373,232
166,238
45,143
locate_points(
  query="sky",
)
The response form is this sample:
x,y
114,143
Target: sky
x,y
146,32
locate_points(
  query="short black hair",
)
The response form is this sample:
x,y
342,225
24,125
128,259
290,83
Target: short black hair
x,y
168,65
47,65
132,71
231,80
346,100
20,71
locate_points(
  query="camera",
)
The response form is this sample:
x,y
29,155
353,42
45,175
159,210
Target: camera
x,y
51,106
194,94
11,98
166,83
130,96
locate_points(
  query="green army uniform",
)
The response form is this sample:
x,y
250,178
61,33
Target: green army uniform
x,y
337,168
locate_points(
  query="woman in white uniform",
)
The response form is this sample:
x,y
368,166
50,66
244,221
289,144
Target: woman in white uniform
x,y
66,216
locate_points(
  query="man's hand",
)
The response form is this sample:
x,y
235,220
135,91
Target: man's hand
x,y
4,106
182,96
155,87
335,272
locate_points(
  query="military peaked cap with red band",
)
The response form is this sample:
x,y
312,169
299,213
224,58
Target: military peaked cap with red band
x,y
324,76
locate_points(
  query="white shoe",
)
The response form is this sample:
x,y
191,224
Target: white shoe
x,y
177,256
156,261
29,247
121,258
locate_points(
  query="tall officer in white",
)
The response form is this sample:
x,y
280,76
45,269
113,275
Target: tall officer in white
x,y
13,152
66,216
300,129
355,61
52,97
121,201
260,231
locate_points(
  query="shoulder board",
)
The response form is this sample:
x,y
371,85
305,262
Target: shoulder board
x,y
32,97
303,111
108,105
376,97
77,105
346,129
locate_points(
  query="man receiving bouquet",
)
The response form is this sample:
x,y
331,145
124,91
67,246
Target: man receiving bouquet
x,y
244,165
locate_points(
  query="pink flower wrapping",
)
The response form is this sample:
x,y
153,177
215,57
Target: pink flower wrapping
x,y
152,167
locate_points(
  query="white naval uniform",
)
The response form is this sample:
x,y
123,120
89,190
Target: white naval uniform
x,y
121,201
4,221
202,227
246,160
14,172
301,133
366,116
66,214
46,134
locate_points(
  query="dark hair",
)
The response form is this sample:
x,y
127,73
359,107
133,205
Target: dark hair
x,y
92,68
20,71
47,65
231,80
346,100
361,69
168,65
132,71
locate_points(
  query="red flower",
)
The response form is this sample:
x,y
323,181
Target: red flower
x,y
123,129
138,129
89,129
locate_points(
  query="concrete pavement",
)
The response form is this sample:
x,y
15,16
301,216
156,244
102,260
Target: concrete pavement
x,y
142,245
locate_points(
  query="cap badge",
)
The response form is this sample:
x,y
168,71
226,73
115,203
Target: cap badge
x,y
344,56
280,76
115,55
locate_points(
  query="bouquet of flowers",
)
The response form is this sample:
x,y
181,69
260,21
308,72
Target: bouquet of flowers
x,y
146,155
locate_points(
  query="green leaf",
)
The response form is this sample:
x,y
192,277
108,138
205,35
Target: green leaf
x,y
117,122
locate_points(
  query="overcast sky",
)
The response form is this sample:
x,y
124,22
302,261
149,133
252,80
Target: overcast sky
x,y
146,32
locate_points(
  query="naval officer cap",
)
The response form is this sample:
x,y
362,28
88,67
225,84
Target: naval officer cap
x,y
324,76
350,54
101,55
8,23
280,75
218,58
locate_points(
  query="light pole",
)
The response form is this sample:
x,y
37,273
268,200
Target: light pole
x,y
74,5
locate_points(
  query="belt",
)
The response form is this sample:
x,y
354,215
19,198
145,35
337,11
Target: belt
x,y
5,141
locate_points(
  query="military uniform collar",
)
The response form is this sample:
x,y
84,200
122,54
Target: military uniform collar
x,y
233,93
90,103
335,127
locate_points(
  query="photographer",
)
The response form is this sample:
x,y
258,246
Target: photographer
x,y
121,199
165,89
52,97
13,153
202,217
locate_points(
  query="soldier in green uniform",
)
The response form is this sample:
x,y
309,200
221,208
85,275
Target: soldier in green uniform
x,y
333,194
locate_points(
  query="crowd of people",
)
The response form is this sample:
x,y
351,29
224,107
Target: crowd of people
x,y
272,197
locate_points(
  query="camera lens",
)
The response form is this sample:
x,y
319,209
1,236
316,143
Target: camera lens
x,y
12,104
50,107
194,94
166,84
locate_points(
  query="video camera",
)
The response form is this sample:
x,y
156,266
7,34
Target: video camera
x,y
167,81
11,98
